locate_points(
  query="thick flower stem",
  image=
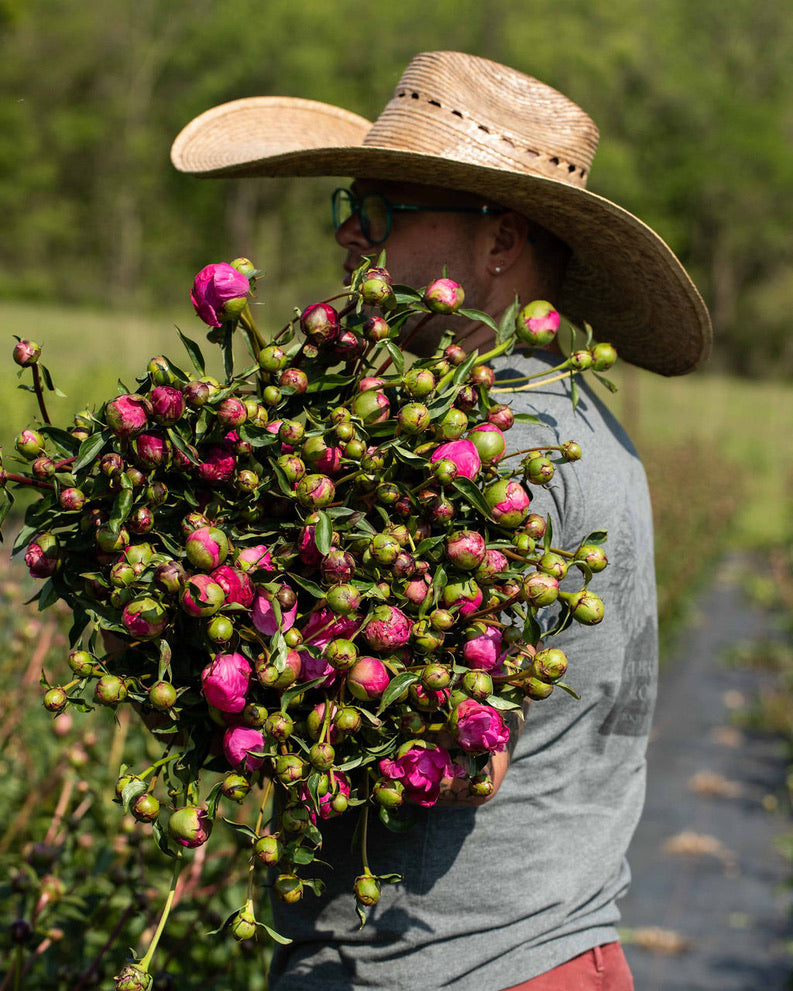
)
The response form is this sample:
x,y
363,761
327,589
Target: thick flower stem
x,y
257,828
24,480
146,961
257,342
365,827
40,394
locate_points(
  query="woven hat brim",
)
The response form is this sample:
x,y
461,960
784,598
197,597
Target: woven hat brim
x,y
623,278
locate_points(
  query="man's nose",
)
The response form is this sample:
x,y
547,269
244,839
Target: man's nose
x,y
350,235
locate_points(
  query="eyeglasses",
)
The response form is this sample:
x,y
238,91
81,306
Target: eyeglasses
x,y
375,212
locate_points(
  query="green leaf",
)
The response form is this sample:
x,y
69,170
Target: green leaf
x,y
181,445
481,317
194,351
121,508
568,689
394,822
165,660
548,538
48,595
596,537
471,492
273,934
506,326
323,533
605,382
396,687
89,450
526,418
397,356
240,828
311,587
574,391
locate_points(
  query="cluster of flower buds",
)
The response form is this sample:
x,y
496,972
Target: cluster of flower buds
x,y
324,568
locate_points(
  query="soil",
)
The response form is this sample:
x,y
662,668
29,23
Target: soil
x,y
709,907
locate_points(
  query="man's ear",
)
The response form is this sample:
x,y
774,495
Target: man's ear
x,y
509,236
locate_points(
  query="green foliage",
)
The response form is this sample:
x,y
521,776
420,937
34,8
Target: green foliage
x,y
692,101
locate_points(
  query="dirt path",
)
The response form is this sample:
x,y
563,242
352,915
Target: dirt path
x,y
704,859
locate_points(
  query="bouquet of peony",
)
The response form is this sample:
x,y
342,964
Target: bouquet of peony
x,y
319,581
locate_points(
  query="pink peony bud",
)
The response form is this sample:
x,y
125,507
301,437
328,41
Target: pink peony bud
x,y
368,678
463,454
537,323
466,549
315,491
144,617
484,652
190,826
387,629
26,353
219,293
326,801
320,323
207,547
465,596
236,584
479,728
127,415
263,615
201,596
225,682
253,558
491,567
151,450
444,296
420,768
232,412
489,441
502,416
508,501
167,404
371,406
42,555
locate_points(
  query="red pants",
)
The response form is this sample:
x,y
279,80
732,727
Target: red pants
x,y
602,969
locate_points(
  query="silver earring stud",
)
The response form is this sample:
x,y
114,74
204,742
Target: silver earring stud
x,y
497,269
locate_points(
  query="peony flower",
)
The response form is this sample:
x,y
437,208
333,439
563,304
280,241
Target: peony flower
x,y
253,558
466,596
489,442
238,742
323,626
508,501
466,549
217,464
388,628
444,296
479,728
484,652
537,323
219,292
190,826
368,678
201,596
127,415
225,682
235,584
42,555
421,769
152,450
263,615
463,454
207,547
167,404
144,617
320,323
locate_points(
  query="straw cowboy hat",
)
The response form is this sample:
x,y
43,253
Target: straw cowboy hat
x,y
465,123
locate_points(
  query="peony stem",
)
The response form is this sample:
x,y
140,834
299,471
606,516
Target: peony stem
x,y
40,394
257,829
146,961
24,480
255,338
537,385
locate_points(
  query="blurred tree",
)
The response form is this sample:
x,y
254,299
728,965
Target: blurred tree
x,y
694,102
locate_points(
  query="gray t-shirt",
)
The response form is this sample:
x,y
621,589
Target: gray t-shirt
x,y
496,895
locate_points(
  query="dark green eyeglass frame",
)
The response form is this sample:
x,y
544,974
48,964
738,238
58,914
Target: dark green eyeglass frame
x,y
345,199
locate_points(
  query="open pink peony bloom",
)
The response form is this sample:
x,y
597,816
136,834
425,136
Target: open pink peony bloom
x,y
264,618
218,291
463,454
235,584
484,652
217,464
323,626
225,682
238,742
479,728
421,771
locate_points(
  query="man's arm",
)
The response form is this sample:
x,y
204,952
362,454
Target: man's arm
x,y
455,791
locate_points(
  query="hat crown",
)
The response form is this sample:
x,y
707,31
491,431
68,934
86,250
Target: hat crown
x,y
469,109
